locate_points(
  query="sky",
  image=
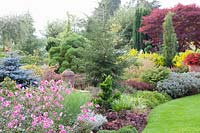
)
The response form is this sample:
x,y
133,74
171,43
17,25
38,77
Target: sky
x,y
43,11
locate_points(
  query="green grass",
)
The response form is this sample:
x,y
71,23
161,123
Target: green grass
x,y
72,105
177,116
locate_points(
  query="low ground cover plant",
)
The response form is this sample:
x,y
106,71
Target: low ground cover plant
x,y
117,120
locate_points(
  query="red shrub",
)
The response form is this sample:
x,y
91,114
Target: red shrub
x,y
192,59
138,85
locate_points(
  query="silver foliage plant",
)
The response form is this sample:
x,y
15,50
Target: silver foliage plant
x,y
98,121
180,84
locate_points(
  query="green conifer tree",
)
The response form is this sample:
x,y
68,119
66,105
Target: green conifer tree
x,y
169,40
138,37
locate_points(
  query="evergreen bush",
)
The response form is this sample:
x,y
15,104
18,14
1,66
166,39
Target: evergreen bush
x,y
10,68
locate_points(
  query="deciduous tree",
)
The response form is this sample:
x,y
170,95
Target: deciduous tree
x,y
186,22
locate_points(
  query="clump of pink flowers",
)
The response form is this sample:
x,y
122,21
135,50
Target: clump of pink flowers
x,y
33,109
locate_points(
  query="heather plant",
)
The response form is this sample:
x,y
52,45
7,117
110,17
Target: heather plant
x,y
33,110
180,84
138,85
135,70
181,69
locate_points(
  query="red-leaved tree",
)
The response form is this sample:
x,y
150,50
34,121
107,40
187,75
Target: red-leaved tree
x,y
186,22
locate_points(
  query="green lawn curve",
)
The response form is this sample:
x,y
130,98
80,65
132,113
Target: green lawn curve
x,y
177,116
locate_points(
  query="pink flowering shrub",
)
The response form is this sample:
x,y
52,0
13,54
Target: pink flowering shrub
x,y
33,109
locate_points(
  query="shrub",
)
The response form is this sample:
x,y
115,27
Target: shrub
x,y
117,120
180,84
135,70
128,102
138,85
131,54
80,81
37,71
152,99
31,60
10,68
9,84
71,105
50,74
179,58
69,53
126,89
127,129
154,75
156,58
2,54
106,97
192,59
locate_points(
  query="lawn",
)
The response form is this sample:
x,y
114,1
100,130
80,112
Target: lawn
x,y
177,116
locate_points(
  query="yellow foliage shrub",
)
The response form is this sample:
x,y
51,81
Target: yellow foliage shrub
x,y
36,69
156,58
132,53
178,59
